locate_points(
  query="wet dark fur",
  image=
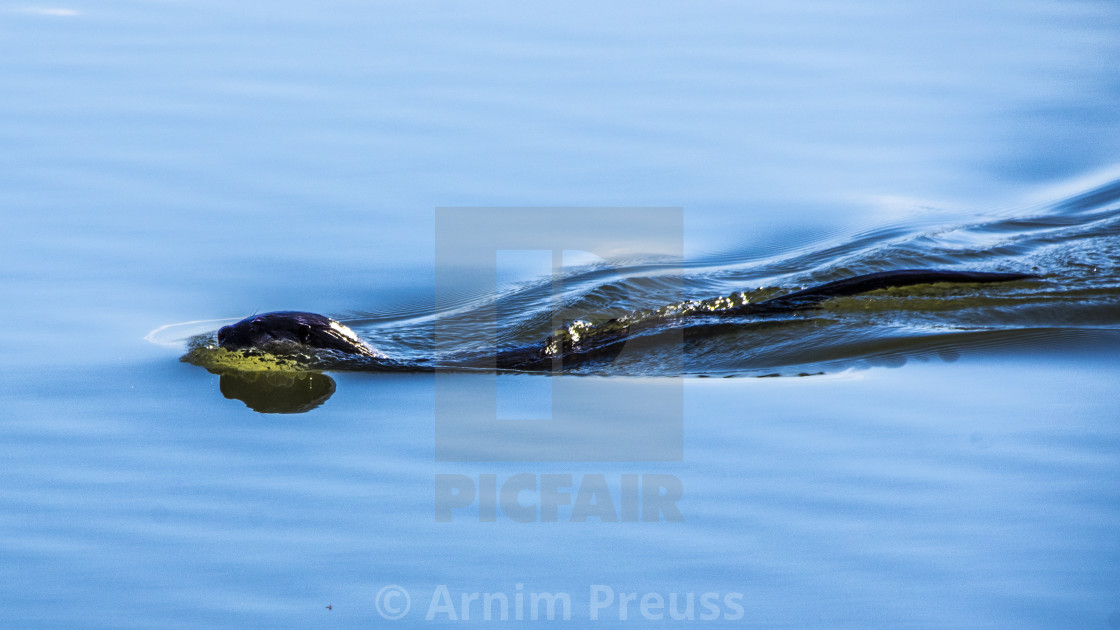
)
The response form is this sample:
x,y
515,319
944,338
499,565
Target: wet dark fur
x,y
315,331
288,327
812,297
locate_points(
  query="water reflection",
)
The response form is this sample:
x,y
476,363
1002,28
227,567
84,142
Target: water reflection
x,y
278,392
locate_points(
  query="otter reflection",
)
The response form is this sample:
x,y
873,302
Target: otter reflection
x,y
278,392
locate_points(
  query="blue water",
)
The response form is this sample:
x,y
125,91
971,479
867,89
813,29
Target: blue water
x,y
166,163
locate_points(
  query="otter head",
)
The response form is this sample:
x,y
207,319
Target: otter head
x,y
287,328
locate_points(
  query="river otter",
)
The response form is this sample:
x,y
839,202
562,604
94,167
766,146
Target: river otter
x,y
292,330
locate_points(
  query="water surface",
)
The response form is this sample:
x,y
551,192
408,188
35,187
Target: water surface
x,y
173,162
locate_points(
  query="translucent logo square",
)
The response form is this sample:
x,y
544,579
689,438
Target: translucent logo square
x,y
606,414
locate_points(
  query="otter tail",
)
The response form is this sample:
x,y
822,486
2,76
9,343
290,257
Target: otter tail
x,y
811,297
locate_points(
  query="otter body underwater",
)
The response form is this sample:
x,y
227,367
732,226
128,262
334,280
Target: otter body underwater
x,y
308,334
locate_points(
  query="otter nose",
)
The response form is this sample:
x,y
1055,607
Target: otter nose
x,y
223,332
